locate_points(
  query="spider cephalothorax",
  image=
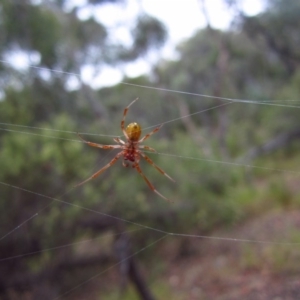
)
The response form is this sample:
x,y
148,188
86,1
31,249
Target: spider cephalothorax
x,y
130,150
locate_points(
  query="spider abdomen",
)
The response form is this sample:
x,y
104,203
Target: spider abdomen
x,y
130,153
134,131
129,156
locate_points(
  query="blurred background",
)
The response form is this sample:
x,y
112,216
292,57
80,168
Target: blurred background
x,y
71,66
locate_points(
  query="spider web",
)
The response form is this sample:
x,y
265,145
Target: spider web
x,y
20,128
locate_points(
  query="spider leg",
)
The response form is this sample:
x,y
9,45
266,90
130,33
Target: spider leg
x,y
137,166
125,164
155,166
118,140
124,115
113,161
99,145
149,134
147,148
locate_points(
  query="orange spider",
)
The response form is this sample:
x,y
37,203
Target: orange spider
x,y
130,150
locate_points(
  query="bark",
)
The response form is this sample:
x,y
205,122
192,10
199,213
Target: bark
x,y
139,282
129,268
44,284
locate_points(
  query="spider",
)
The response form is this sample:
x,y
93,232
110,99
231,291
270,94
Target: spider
x,y
130,151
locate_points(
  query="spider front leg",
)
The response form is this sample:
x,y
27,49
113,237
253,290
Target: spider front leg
x,y
137,167
118,140
124,116
112,162
150,133
147,148
99,145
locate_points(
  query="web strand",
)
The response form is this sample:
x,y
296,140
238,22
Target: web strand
x,y
145,226
166,234
121,261
262,102
57,130
166,154
141,226
174,155
226,162
170,155
65,246
41,210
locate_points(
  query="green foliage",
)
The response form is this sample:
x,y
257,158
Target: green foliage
x,y
28,28
201,144
148,32
278,258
